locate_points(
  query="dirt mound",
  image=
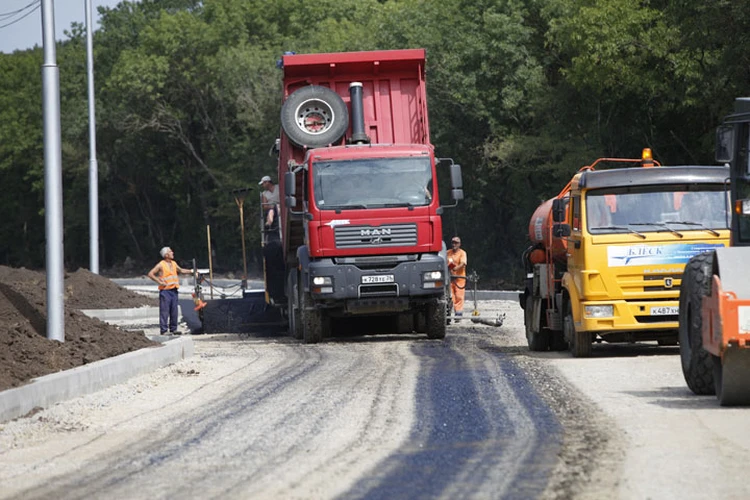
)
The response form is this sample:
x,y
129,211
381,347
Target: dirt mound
x,y
86,290
26,353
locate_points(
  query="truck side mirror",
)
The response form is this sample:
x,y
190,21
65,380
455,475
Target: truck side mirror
x,y
558,210
560,230
290,184
724,143
457,194
290,189
456,179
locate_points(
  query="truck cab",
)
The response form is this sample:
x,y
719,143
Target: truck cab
x,y
631,232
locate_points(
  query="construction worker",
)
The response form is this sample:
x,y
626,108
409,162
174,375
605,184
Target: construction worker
x,y
457,261
165,273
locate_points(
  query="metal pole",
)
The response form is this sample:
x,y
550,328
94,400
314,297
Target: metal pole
x,y
240,200
53,219
93,166
210,263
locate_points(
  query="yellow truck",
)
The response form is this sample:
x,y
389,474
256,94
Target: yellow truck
x,y
608,252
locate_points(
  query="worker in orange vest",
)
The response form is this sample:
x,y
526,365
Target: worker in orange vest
x,y
165,273
457,261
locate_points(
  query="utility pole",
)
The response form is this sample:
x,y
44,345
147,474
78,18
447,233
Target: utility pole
x,y
93,166
53,213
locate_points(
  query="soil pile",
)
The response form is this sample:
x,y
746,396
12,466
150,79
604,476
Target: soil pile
x,y
25,351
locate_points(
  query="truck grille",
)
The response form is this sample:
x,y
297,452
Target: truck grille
x,y
380,290
391,235
638,284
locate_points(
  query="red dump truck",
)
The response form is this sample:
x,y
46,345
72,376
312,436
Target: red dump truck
x,y
360,218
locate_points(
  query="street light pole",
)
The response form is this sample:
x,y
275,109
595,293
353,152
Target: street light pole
x,y
93,166
53,216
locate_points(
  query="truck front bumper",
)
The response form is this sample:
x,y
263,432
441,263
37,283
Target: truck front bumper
x,y
639,317
389,287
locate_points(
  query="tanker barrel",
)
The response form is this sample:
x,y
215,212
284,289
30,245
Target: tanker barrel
x,y
358,115
540,232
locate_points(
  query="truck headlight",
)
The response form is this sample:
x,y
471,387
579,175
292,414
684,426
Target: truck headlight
x,y
604,311
322,284
433,276
433,279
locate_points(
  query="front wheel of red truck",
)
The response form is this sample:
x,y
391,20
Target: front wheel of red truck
x,y
314,117
314,324
436,319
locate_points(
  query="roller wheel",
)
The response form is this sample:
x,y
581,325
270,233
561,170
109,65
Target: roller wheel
x,y
732,377
537,338
314,117
436,318
697,366
580,342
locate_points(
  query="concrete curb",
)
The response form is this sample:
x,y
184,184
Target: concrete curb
x,y
50,389
129,315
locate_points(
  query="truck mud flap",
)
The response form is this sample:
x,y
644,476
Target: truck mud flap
x,y
249,314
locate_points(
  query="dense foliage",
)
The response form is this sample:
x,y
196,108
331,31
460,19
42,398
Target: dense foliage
x,y
522,93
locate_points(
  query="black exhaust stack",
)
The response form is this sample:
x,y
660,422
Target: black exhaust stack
x,y
358,115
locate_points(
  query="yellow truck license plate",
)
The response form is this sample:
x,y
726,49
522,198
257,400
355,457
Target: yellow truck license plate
x,y
664,310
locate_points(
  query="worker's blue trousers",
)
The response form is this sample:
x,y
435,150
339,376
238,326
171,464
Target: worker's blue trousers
x,y
168,310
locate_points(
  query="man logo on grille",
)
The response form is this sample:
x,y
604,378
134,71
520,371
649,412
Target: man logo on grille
x,y
668,282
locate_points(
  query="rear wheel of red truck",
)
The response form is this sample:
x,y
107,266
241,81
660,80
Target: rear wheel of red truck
x,y
697,366
314,117
435,318
293,307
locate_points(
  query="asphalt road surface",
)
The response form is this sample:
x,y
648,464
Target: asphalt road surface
x,y
387,416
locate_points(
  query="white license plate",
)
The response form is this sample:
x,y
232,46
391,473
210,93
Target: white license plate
x,y
381,278
664,310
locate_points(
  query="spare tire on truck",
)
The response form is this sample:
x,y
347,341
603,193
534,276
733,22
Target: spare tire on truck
x,y
314,117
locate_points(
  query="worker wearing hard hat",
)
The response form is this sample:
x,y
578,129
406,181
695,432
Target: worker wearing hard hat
x,y
457,261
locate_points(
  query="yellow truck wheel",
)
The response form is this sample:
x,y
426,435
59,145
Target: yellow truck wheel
x,y
580,342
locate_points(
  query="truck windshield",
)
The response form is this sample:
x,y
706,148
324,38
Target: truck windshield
x,y
697,208
372,183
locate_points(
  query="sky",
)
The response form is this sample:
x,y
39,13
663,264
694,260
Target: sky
x,y
19,33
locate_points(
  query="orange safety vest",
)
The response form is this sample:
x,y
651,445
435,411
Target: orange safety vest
x,y
169,275
459,257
